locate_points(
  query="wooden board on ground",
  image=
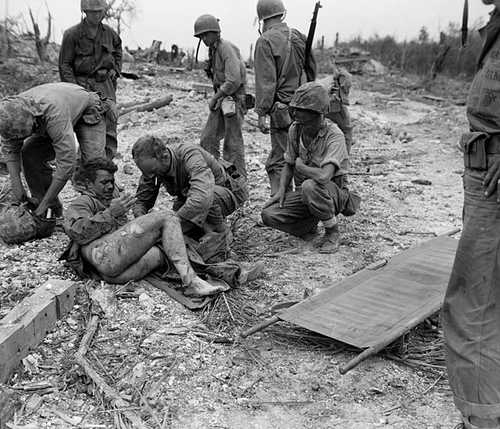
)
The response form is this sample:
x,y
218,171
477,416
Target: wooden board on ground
x,y
25,326
374,307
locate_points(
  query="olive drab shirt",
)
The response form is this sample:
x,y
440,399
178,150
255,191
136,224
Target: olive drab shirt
x,y
270,55
87,218
327,148
483,103
228,68
59,106
86,60
191,178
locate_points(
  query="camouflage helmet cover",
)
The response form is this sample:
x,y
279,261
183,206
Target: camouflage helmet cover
x,y
206,23
93,5
311,96
16,118
270,8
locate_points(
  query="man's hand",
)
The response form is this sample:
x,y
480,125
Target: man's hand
x,y
492,179
300,166
212,103
263,125
112,74
121,205
277,197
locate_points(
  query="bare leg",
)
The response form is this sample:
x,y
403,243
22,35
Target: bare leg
x,y
128,253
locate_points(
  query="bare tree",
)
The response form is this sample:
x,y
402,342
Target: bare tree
x,y
42,43
121,12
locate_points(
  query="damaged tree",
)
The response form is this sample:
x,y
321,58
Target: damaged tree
x,y
41,43
118,9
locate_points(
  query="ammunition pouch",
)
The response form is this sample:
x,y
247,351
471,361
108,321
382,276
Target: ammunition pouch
x,y
474,146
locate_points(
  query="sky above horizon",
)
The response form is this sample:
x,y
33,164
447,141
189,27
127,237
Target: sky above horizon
x,y
172,21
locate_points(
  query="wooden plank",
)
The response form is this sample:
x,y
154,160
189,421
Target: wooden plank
x,y
25,326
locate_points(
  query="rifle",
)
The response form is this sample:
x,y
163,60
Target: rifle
x,y
310,38
465,23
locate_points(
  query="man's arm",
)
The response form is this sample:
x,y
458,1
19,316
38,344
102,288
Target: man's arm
x,y
66,57
321,175
200,195
146,195
232,70
60,130
12,155
265,77
83,226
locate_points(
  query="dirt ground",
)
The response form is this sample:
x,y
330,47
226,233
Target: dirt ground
x,y
183,369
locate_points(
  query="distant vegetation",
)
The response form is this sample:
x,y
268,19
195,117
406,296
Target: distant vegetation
x,y
421,55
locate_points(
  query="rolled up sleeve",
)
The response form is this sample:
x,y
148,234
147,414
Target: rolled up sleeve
x,y
200,195
336,151
265,77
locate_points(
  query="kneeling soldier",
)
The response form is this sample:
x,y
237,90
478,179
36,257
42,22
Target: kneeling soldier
x,y
104,242
316,158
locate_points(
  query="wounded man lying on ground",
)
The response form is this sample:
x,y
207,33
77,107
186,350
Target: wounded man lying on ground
x,y
105,243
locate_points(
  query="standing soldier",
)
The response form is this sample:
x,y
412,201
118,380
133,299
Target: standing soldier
x,y
227,106
279,67
471,309
91,56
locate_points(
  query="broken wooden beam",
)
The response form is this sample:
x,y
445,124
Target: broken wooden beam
x,y
27,324
203,88
153,105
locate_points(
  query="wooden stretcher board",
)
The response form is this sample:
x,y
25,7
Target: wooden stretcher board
x,y
374,307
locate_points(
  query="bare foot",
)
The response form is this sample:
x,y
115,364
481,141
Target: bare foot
x,y
200,287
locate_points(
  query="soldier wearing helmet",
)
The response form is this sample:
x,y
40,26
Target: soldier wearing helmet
x,y
470,315
316,158
91,56
227,106
280,67
38,126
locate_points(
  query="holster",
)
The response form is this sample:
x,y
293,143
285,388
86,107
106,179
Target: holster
x,y
474,146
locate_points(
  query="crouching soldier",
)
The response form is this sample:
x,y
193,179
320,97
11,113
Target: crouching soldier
x,y
118,251
227,106
206,190
316,158
38,126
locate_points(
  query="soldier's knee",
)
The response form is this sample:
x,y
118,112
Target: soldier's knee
x,y
309,189
268,217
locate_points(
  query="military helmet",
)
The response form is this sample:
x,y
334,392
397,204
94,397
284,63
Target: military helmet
x,y
311,96
270,8
206,23
93,5
16,118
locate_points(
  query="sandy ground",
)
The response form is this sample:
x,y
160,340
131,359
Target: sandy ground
x,y
182,369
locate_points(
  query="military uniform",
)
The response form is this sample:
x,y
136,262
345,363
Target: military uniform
x,y
279,68
60,111
229,75
88,218
471,310
205,192
311,201
339,86
87,60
